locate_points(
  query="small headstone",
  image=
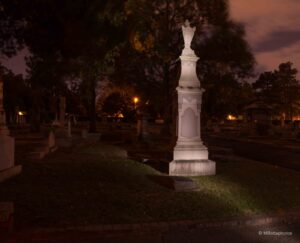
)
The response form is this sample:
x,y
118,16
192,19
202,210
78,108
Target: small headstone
x,y
62,110
51,140
145,127
52,146
84,133
69,128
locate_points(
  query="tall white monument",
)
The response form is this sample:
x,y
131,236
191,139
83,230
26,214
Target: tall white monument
x,y
190,156
7,145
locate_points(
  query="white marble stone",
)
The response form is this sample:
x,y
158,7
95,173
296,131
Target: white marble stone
x,y
192,168
190,156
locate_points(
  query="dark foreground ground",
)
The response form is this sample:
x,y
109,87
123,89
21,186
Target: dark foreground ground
x,y
94,185
266,234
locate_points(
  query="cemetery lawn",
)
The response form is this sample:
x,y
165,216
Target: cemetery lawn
x,y
80,186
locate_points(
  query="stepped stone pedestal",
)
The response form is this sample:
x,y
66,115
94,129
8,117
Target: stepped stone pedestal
x,y
190,156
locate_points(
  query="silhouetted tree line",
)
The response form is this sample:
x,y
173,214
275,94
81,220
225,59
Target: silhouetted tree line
x,y
136,43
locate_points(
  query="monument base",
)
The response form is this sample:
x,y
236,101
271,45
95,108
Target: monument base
x,y
190,152
192,167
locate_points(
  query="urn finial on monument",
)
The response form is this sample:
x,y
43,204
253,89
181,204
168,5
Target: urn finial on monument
x,y
188,34
188,59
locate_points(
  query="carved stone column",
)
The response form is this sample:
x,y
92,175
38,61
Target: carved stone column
x,y
190,156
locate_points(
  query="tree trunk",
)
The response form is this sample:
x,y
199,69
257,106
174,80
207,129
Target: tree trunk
x,y
35,120
92,109
166,130
35,112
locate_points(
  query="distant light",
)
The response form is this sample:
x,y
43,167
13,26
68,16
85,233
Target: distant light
x,y
21,113
120,115
231,118
296,118
136,100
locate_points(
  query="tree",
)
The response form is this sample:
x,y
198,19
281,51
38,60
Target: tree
x,y
80,36
156,35
264,87
227,96
16,94
280,89
11,28
288,89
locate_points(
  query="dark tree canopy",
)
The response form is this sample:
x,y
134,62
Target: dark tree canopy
x,y
280,89
81,40
72,39
156,43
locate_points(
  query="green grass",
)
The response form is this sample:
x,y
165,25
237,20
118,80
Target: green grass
x,y
81,187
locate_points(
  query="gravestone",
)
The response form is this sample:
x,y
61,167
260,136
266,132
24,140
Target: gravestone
x,y
49,146
52,142
69,128
84,133
62,110
190,156
7,145
139,124
63,133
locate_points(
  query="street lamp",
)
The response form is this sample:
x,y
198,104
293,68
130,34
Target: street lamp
x,y
135,101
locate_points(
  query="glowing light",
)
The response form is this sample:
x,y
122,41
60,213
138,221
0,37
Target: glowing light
x,y
136,100
231,118
120,115
21,113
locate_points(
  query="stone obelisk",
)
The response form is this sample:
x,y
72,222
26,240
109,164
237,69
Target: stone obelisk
x,y
190,156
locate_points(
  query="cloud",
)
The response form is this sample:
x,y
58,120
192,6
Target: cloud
x,y
272,29
271,59
277,40
263,17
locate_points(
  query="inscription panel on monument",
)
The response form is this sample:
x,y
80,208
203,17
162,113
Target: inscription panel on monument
x,y
189,124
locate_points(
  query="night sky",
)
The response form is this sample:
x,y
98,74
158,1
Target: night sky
x,y
272,27
273,30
